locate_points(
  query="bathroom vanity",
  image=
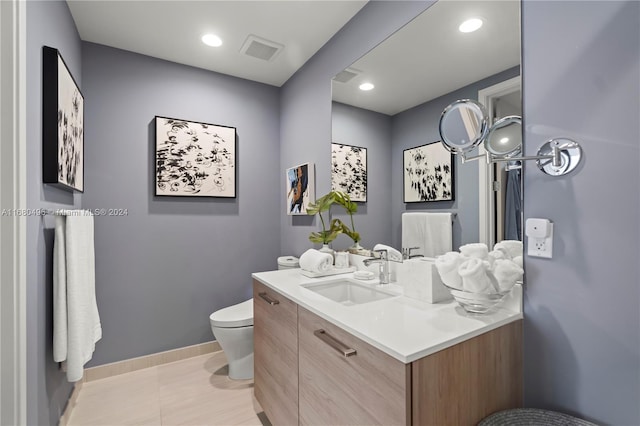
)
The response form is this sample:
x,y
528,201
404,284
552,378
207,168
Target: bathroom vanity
x,y
390,360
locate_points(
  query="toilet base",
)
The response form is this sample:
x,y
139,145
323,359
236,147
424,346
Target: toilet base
x,y
237,345
241,369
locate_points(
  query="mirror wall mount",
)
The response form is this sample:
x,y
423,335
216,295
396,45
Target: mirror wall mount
x,y
462,128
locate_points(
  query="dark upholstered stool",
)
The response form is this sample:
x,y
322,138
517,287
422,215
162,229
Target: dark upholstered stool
x,y
532,417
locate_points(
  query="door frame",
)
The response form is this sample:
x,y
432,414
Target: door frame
x,y
486,213
13,201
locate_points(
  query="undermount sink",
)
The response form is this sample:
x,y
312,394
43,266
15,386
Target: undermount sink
x,y
348,292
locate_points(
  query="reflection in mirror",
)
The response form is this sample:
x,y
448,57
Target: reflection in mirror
x,y
463,125
417,72
505,137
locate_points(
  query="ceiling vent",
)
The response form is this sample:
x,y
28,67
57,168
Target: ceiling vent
x,y
260,48
346,75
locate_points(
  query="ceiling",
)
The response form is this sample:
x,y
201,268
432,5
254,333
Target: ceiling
x,y
171,30
429,57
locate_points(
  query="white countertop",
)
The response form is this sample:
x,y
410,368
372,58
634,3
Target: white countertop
x,y
405,328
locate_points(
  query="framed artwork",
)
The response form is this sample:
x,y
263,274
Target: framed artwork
x,y
428,174
62,124
195,159
349,171
300,184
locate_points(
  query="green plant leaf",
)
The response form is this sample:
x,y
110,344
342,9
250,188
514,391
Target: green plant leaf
x,y
344,200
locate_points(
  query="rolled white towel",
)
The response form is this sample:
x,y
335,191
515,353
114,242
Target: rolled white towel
x,y
314,260
497,254
473,272
447,266
507,273
511,248
392,254
519,261
493,256
477,250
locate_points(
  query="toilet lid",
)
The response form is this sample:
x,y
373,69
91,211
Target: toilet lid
x,y
289,261
240,315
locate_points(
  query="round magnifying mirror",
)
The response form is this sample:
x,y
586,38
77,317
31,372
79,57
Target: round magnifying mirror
x,y
463,125
505,137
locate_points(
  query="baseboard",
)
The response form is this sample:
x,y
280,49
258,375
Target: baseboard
x,y
64,419
133,364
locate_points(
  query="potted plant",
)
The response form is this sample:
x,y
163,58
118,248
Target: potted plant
x,y
344,200
325,236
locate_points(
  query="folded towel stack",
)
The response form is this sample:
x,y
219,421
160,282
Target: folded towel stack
x,y
314,260
478,270
392,254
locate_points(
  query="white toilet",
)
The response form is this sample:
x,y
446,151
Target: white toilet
x,y
233,328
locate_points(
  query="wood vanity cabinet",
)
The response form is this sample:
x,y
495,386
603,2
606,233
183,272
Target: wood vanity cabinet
x,y
327,376
362,387
275,340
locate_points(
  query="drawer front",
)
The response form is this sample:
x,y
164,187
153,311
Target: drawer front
x,y
275,341
338,386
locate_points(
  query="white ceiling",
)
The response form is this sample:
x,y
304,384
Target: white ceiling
x,y
171,30
429,57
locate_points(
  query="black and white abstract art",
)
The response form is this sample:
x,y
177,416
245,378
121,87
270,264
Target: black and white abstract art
x,y
349,171
428,174
195,159
63,124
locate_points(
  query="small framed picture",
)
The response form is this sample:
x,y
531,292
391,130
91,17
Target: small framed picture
x,y
194,159
300,188
428,174
62,124
349,171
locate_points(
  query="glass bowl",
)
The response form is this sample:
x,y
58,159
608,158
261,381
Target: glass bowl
x,y
477,303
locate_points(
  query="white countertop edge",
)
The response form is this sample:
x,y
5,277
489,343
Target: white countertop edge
x,y
514,316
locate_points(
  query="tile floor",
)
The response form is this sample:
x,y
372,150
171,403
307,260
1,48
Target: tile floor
x,y
194,391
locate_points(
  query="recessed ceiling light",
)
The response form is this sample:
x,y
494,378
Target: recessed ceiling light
x,y
212,40
366,86
470,25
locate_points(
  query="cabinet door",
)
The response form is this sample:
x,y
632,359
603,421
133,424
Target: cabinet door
x,y
463,384
338,386
275,342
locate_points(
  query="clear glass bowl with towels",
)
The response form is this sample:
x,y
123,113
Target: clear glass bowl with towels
x,y
477,303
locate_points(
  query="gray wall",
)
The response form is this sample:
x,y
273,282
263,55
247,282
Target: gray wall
x,y
582,319
305,120
418,126
49,23
165,267
371,130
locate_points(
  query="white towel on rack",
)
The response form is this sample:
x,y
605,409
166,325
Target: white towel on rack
x,y
76,327
431,232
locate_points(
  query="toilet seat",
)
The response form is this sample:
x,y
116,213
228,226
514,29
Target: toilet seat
x,y
240,315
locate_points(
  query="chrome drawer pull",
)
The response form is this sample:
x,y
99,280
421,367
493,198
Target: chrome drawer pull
x,y
335,344
268,299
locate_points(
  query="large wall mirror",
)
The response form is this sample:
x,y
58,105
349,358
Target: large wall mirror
x,y
415,74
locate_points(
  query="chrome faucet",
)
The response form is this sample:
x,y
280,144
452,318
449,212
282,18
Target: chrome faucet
x,y
406,253
383,260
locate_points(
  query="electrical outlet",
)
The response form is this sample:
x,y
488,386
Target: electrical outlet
x,y
539,238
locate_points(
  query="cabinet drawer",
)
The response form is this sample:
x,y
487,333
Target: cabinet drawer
x,y
275,342
337,386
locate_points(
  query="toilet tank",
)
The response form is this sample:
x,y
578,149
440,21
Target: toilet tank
x,y
288,262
